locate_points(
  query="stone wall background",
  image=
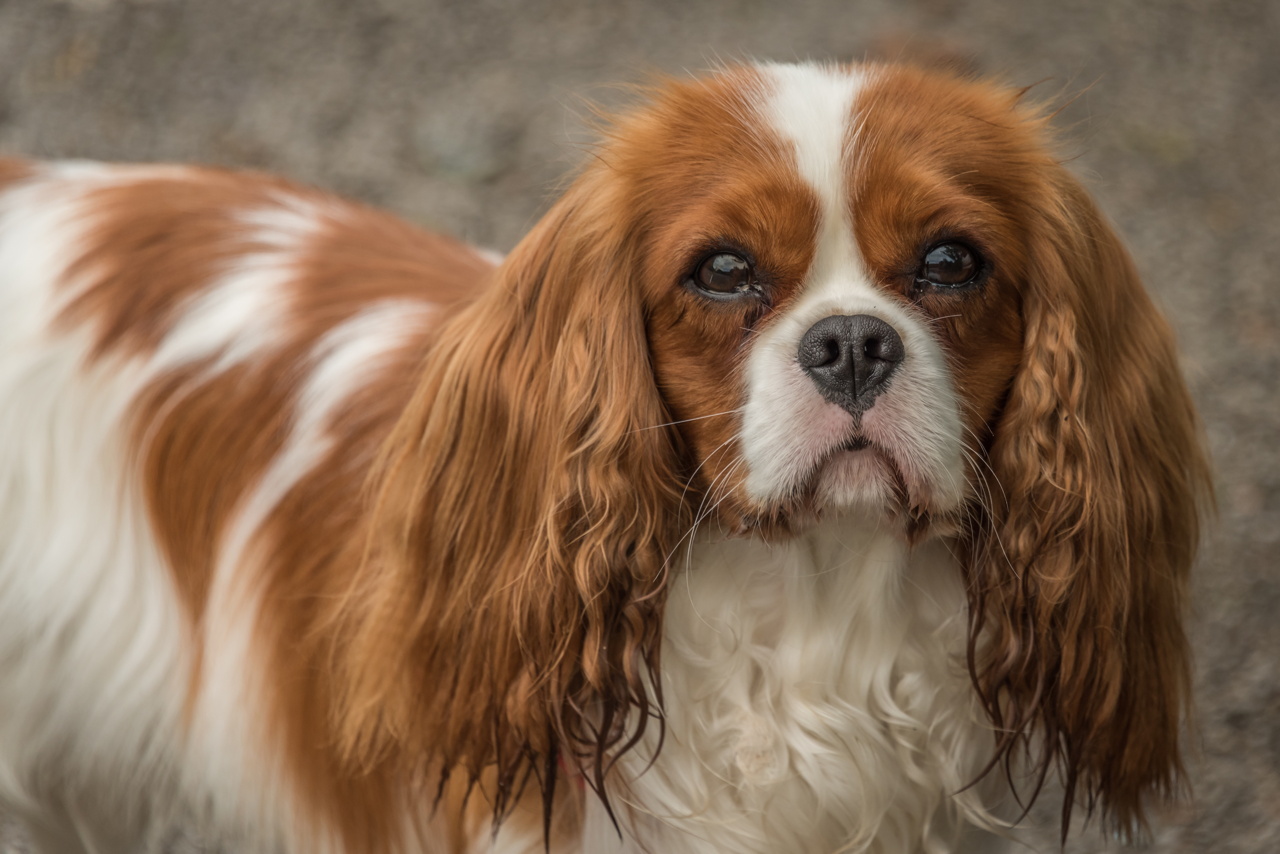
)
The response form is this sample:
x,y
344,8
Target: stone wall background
x,y
464,116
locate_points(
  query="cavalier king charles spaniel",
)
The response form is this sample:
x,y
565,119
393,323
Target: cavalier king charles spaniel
x,y
815,476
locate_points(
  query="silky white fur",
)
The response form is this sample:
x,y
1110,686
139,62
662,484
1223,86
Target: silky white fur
x,y
823,704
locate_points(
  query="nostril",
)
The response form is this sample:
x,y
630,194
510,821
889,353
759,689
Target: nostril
x,y
831,352
825,345
880,342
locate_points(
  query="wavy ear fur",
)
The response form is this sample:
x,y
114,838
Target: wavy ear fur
x,y
509,608
1078,573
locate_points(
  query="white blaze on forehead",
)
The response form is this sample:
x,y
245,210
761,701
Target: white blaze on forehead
x,y
811,107
787,427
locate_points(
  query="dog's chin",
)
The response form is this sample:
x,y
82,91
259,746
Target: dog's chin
x,y
862,479
859,477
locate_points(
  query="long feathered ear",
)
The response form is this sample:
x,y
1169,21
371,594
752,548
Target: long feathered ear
x,y
1078,567
508,613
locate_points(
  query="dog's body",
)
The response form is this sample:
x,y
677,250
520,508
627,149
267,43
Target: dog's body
x,y
119,687
322,533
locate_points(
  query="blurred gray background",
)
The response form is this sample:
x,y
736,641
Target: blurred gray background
x,y
462,116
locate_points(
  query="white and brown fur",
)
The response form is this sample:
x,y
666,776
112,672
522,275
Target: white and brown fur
x,y
322,533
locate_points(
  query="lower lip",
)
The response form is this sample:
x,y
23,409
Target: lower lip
x,y
851,469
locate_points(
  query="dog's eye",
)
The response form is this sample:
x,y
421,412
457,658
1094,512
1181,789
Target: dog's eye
x,y
723,274
949,265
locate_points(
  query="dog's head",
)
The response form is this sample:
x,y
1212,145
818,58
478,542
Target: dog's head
x,y
776,294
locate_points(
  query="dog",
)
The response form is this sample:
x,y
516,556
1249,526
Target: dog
x,y
815,476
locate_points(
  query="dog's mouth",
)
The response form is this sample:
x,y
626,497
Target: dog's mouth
x,y
858,474
853,443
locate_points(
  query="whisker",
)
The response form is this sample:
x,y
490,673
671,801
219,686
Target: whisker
x,y
699,516
691,535
944,317
686,420
688,483
987,501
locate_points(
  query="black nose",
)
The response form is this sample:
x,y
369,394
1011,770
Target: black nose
x,y
850,358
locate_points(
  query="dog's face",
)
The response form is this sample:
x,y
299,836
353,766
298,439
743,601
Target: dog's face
x,y
832,264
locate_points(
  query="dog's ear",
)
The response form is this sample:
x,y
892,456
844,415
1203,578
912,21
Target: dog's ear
x,y
509,609
1078,568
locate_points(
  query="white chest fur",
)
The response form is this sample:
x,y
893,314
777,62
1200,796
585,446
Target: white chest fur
x,y
816,701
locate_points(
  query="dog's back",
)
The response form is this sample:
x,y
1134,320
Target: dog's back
x,y
184,353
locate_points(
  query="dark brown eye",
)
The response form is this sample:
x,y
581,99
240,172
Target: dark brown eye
x,y
723,275
949,265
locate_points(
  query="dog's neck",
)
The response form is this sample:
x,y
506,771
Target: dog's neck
x,y
816,697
